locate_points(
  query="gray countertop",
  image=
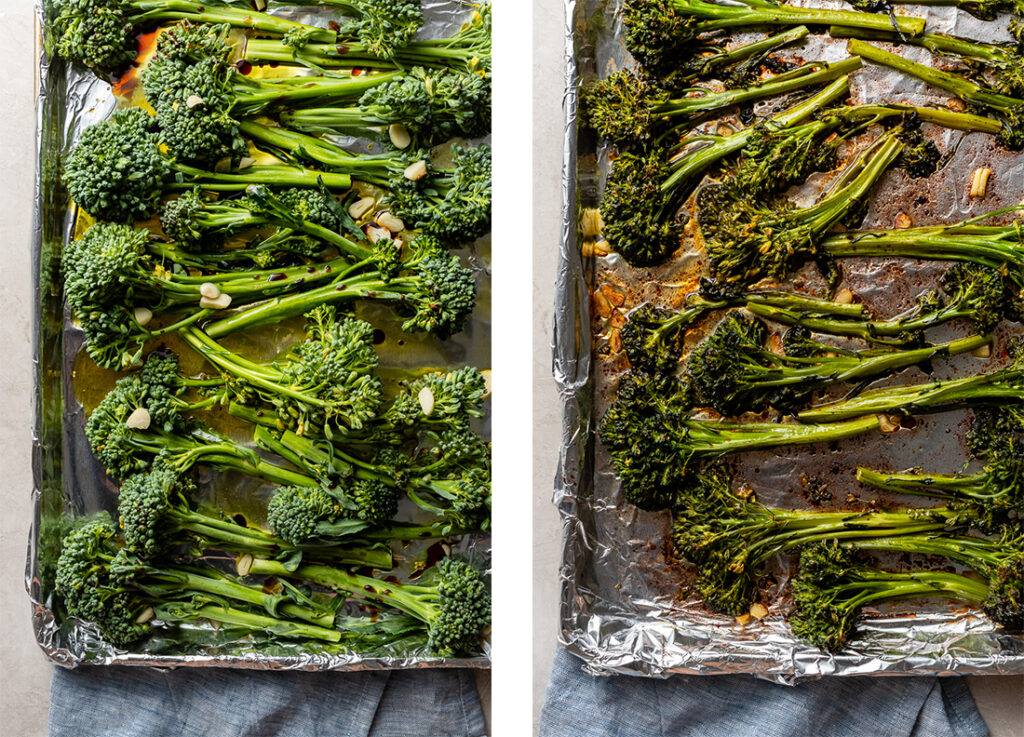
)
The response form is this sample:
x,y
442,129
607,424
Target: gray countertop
x,y
1001,699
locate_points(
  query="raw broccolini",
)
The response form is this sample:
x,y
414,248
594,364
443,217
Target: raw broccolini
x,y
452,599
103,584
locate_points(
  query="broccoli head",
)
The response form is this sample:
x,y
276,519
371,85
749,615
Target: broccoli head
x,y
641,430
90,581
640,221
452,204
446,298
656,35
653,339
116,171
440,399
94,33
463,608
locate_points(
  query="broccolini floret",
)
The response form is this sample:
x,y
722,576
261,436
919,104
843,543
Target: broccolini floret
x,y
733,371
452,599
104,584
117,171
100,33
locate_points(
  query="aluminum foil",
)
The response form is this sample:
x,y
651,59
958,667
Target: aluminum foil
x,y
625,607
69,482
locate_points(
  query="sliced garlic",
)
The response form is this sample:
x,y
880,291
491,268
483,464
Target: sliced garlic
x,y
139,419
844,297
984,351
979,181
426,400
389,221
360,207
221,303
590,249
209,290
376,235
145,615
886,423
399,136
143,316
417,171
591,223
244,564
758,611
903,221
193,101
743,620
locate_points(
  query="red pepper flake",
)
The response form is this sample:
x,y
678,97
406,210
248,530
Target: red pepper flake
x,y
356,72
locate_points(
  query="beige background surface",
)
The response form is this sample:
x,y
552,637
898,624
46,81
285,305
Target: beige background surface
x,y
1001,699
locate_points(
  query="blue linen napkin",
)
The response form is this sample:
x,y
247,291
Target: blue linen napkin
x,y
581,705
219,702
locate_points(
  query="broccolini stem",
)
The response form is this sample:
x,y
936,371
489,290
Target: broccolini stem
x,y
796,79
712,439
278,308
260,469
756,13
930,484
239,180
956,85
935,396
978,554
936,43
240,592
889,586
856,367
225,360
145,11
886,332
993,246
694,163
252,98
409,598
250,621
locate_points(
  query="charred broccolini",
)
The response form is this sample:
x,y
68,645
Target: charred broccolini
x,y
730,537
734,371
660,32
833,585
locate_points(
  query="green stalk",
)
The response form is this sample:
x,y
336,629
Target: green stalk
x,y
409,598
974,553
700,160
935,396
747,13
930,484
225,360
955,85
250,621
937,43
279,308
240,179
995,247
252,98
711,439
798,79
819,371
147,11
228,589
